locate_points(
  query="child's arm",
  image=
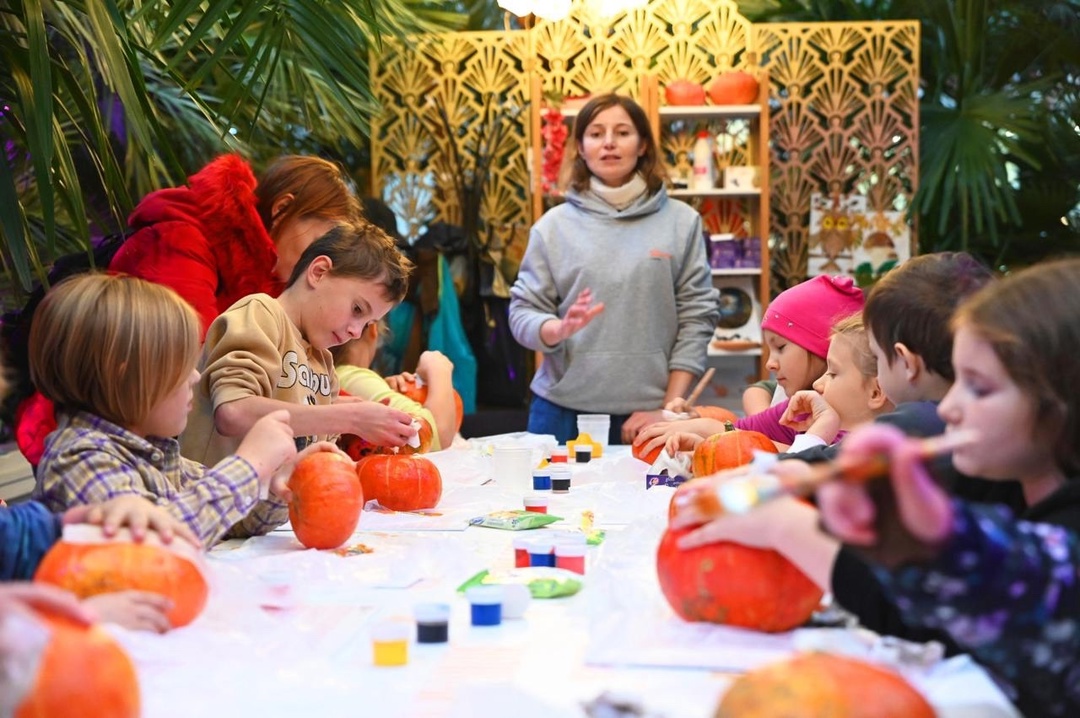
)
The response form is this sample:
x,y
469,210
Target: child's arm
x,y
377,423
758,397
658,434
809,413
137,610
27,532
437,372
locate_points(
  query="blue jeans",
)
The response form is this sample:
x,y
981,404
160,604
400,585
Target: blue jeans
x,y
548,418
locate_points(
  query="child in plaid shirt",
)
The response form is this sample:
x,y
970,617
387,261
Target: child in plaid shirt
x,y
116,355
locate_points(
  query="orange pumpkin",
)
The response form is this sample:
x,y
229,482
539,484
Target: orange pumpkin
x,y
735,585
684,92
817,684
419,394
357,448
716,412
681,489
400,482
82,670
649,458
327,500
729,449
734,88
102,565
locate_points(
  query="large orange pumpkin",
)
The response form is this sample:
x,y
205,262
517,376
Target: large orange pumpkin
x,y
729,449
83,671
684,92
735,585
818,684
327,500
400,482
649,458
357,448
734,88
419,394
87,563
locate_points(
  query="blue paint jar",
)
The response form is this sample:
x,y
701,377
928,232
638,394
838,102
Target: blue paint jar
x,y
542,553
486,604
541,479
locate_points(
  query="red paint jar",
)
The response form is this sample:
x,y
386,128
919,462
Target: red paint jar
x,y
570,557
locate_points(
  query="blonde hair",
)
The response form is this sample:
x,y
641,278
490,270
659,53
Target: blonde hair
x,y
853,330
112,345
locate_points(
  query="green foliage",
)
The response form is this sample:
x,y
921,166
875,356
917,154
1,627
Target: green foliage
x,y
105,100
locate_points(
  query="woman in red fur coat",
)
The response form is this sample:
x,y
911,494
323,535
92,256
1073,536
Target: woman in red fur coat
x,y
217,239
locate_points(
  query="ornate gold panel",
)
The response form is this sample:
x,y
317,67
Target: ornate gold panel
x,y
843,106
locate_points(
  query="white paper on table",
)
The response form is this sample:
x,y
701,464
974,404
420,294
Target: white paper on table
x,y
675,643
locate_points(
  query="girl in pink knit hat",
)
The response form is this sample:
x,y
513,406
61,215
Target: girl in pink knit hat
x,y
796,329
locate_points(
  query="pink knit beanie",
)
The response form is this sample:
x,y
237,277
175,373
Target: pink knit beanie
x,y
805,314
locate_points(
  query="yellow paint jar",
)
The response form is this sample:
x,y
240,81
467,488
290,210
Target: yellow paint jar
x,y
390,643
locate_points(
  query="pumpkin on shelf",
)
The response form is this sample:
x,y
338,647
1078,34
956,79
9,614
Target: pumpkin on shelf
x,y
419,392
400,482
82,670
816,684
327,500
684,93
87,563
735,585
734,88
728,450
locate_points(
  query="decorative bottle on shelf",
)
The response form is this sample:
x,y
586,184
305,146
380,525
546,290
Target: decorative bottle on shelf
x,y
704,178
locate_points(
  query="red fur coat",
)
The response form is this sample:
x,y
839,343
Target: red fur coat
x,y
204,240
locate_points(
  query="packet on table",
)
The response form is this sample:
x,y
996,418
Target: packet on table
x,y
512,520
542,581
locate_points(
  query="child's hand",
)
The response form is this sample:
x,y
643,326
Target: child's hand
x,y
434,364
901,524
701,427
279,482
23,596
137,610
679,405
381,425
400,382
809,413
268,444
137,514
758,528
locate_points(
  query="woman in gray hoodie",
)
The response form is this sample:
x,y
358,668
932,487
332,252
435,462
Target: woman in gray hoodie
x,y
614,288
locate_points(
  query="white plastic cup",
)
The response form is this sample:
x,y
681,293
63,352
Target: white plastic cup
x,y
512,467
596,426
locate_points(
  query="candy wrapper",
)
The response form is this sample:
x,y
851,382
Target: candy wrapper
x,y
514,520
542,581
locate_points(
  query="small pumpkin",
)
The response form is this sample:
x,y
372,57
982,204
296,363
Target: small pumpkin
x,y
816,684
327,500
729,449
400,482
357,447
650,457
716,412
734,585
734,88
684,93
419,394
87,563
82,669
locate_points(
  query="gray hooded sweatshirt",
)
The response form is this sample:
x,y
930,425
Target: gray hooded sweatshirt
x,y
647,264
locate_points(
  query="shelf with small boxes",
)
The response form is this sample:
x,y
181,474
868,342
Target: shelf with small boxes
x,y
728,184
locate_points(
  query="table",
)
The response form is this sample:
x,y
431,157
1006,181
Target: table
x,y
311,654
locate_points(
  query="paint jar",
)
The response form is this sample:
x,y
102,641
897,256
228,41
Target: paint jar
x,y
542,479
486,604
582,453
542,553
432,622
512,466
516,598
390,643
570,556
521,552
560,481
560,455
536,504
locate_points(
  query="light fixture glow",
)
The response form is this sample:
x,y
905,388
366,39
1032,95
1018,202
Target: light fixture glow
x,y
555,10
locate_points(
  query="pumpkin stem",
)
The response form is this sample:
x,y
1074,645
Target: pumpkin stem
x,y
728,426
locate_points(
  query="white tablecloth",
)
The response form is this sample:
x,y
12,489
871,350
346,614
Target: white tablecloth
x,y
314,657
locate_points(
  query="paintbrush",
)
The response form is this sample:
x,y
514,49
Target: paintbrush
x,y
742,494
700,387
